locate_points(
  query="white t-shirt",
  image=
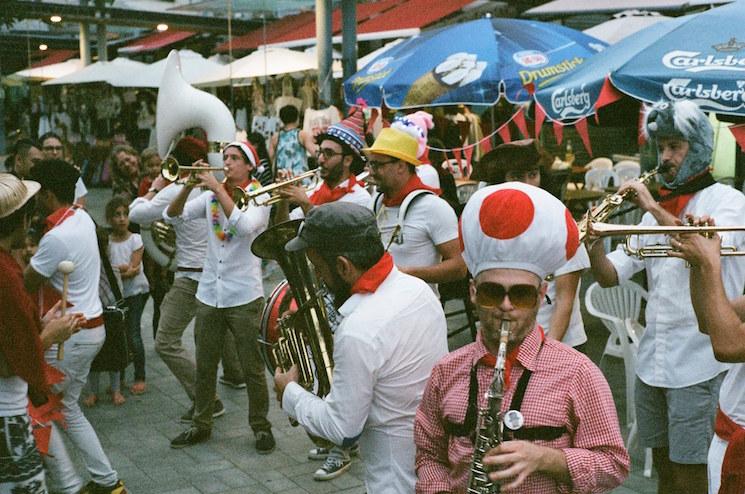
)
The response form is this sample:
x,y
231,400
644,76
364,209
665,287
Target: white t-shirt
x,y
358,196
575,333
74,239
430,221
13,396
121,253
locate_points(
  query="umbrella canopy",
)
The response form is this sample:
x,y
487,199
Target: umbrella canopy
x,y
53,71
472,63
624,24
702,60
579,93
193,67
117,73
263,62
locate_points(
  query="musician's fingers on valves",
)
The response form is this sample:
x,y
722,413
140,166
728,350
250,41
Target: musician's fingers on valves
x,y
696,248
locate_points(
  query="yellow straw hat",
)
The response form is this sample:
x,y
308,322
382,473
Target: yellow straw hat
x,y
14,193
395,143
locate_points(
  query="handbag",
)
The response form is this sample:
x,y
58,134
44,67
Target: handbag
x,y
114,355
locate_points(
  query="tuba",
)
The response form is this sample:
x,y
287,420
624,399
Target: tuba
x,y
303,337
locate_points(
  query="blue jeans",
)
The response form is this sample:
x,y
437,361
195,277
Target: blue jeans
x,y
135,306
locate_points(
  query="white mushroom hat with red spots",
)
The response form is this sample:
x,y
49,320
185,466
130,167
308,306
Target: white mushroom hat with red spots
x,y
517,226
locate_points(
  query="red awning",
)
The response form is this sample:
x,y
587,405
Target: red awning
x,y
156,41
54,56
412,14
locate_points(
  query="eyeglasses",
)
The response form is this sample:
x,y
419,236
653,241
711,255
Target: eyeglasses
x,y
327,153
490,295
374,165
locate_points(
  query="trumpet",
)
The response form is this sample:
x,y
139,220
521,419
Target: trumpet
x,y
171,170
243,198
662,250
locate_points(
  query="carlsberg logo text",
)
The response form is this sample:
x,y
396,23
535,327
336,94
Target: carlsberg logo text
x,y
566,102
692,61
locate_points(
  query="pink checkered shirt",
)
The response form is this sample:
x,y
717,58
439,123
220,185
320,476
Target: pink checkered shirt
x,y
565,390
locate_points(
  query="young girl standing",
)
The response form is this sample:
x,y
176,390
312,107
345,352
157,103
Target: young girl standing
x,y
125,253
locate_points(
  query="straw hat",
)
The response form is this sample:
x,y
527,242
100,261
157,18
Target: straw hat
x,y
14,193
395,143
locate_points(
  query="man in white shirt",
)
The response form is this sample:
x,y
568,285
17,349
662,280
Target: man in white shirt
x,y
678,376
339,154
179,305
419,229
53,149
71,236
230,292
392,333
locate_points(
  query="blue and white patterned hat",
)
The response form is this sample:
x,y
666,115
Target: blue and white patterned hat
x,y
350,131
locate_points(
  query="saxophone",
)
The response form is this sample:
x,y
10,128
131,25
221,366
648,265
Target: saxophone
x,y
490,428
610,204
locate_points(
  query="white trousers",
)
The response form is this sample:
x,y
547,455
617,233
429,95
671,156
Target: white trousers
x,y
714,465
80,350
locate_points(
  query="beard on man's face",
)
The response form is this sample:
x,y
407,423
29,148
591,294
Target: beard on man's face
x,y
339,289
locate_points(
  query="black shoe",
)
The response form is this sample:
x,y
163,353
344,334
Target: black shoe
x,y
191,436
218,409
232,383
265,442
188,416
94,488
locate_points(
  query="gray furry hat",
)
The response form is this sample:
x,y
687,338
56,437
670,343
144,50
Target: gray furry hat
x,y
682,120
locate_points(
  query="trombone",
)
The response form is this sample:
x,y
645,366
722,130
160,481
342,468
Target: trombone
x,y
243,198
662,250
171,170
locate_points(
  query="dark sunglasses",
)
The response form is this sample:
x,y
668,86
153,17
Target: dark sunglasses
x,y
491,295
327,153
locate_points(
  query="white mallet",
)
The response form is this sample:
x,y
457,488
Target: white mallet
x,y
64,267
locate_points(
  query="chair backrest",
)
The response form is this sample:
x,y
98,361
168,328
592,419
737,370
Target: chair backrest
x,y
627,170
600,164
616,303
598,179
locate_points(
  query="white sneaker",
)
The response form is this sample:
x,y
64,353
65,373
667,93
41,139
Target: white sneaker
x,y
332,468
318,453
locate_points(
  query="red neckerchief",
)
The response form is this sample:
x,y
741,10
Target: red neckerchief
x,y
324,194
733,466
373,277
144,186
413,184
59,216
229,189
490,360
20,326
676,205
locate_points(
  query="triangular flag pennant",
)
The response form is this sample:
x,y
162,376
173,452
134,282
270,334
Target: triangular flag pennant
x,y
504,132
583,132
558,132
739,132
457,155
486,145
469,154
540,116
608,94
522,126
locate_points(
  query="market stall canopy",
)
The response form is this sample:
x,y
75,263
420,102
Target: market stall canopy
x,y
474,63
624,24
265,61
53,71
193,66
117,73
156,41
565,8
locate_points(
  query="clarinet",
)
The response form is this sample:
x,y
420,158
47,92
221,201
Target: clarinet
x,y
489,429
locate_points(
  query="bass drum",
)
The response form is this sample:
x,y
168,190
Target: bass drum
x,y
280,302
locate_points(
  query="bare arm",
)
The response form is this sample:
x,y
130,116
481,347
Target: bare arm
x,y
452,267
566,289
134,267
602,269
273,146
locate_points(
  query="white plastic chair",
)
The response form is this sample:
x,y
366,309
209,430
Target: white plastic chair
x,y
627,170
599,179
600,164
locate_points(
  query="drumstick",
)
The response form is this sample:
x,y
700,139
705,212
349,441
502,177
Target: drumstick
x,y
64,267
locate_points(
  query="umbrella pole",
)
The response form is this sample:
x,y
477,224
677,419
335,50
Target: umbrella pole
x,y
230,54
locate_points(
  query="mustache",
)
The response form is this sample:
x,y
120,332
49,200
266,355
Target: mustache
x,y
665,167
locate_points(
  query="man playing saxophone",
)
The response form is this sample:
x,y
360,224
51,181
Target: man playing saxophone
x,y
391,334
560,429
678,376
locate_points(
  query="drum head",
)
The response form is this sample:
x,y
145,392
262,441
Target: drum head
x,y
280,301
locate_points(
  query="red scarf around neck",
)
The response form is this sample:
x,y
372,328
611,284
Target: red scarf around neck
x,y
490,360
373,277
414,183
677,204
59,216
733,465
325,194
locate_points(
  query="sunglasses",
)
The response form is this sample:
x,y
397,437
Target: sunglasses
x,y
327,153
491,295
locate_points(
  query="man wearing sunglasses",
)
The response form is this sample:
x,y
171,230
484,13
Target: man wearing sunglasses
x,y
340,157
561,429
418,228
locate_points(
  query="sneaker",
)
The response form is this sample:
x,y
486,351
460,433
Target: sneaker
x,y
265,442
218,409
332,468
191,436
318,453
94,488
188,416
231,383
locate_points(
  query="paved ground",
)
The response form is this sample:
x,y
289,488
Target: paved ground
x,y
136,435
